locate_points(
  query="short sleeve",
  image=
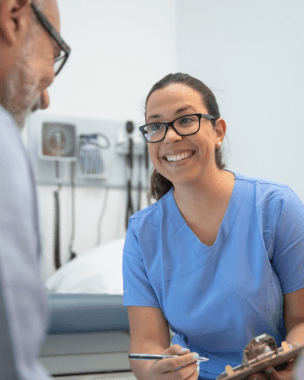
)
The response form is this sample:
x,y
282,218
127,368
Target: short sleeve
x,y
288,255
138,291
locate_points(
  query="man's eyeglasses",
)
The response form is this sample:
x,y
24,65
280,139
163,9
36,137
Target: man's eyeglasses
x,y
183,126
65,50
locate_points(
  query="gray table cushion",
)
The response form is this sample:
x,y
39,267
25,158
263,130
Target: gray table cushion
x,y
80,313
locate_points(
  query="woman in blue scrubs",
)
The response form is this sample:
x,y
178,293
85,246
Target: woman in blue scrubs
x,y
218,257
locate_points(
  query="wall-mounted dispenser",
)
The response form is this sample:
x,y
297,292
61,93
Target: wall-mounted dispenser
x,y
90,155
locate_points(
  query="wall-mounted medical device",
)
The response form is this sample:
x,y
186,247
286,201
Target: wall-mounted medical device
x,y
82,152
57,144
58,141
122,141
90,155
99,154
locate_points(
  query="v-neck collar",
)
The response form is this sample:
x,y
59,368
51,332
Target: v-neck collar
x,y
225,227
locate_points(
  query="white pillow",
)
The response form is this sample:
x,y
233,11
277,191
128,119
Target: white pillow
x,y
97,271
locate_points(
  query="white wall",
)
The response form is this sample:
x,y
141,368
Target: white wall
x,y
251,54
119,50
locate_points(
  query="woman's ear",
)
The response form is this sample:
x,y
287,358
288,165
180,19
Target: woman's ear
x,y
15,16
220,130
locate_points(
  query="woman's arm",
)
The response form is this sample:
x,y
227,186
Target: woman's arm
x,y
148,323
294,316
149,332
294,322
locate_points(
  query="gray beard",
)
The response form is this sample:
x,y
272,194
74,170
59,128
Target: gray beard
x,y
21,93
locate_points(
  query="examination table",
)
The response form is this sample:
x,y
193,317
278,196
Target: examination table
x,y
88,333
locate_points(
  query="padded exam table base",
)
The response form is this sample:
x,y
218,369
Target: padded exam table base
x,y
87,334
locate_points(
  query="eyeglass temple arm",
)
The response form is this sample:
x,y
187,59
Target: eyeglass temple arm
x,y
50,29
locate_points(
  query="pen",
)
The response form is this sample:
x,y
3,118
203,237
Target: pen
x,y
158,357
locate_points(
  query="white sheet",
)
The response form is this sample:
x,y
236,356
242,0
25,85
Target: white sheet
x,y
97,271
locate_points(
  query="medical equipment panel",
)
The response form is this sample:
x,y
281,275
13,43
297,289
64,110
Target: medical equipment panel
x,y
99,149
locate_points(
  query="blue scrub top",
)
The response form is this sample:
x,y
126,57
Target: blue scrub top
x,y
217,298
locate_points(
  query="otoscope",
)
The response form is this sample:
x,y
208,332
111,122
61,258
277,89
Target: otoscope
x,y
130,211
57,219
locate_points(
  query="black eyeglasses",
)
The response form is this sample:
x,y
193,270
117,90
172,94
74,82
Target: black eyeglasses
x,y
184,126
65,50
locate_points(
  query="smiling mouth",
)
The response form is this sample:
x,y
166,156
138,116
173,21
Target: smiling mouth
x,y
179,157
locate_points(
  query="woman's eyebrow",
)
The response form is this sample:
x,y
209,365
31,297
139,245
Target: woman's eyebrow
x,y
184,109
156,116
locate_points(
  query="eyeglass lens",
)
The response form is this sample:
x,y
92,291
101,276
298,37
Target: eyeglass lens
x,y
59,62
185,125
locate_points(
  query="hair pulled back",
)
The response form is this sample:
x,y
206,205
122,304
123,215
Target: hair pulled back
x,y
159,184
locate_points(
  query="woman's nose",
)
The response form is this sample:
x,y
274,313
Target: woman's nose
x,y
172,136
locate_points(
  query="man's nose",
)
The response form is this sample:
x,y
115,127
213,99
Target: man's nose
x,y
45,99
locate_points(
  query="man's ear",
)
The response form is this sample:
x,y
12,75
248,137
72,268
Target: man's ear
x,y
14,20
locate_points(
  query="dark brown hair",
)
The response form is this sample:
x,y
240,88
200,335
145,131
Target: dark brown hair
x,y
159,184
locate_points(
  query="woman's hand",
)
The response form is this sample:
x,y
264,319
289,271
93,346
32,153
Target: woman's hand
x,y
183,367
271,373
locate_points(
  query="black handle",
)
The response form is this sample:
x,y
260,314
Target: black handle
x,y
130,127
130,211
130,154
57,230
146,157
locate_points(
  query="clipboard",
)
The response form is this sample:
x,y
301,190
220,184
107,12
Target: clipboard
x,y
261,352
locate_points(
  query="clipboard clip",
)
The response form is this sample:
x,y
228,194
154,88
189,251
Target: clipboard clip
x,y
259,353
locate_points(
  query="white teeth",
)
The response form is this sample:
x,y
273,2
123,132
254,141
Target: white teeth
x,y
179,157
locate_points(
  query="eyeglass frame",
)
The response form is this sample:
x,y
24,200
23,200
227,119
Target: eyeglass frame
x,y
171,124
53,33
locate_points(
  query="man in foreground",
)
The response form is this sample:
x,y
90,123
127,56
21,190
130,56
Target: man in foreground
x,y
31,54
